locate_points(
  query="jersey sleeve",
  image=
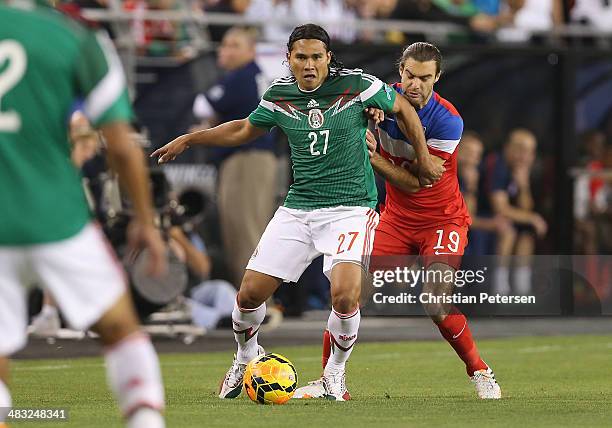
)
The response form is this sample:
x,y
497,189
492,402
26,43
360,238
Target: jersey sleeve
x,y
263,115
101,82
375,93
445,136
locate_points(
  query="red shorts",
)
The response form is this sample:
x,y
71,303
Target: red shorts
x,y
439,244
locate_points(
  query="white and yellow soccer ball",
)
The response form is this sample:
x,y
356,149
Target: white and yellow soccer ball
x,y
270,379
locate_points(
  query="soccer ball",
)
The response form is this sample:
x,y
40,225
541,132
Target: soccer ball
x,y
270,379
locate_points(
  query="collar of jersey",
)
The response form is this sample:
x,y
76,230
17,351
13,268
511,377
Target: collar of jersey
x,y
306,91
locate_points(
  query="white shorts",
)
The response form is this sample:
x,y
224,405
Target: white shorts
x,y
81,273
294,238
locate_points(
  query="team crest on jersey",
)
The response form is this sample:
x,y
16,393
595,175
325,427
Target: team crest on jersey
x,y
315,118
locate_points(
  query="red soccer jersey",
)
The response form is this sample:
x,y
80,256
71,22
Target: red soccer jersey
x,y
443,203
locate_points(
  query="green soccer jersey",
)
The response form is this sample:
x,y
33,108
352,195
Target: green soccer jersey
x,y
47,63
326,130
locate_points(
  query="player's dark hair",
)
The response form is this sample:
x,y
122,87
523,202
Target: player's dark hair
x,y
423,52
313,31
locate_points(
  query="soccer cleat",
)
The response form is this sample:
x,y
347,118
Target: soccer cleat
x,y
314,389
486,385
231,385
45,324
335,386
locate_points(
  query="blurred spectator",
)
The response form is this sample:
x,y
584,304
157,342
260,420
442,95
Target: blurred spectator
x,y
275,12
596,13
481,16
524,16
606,215
539,14
505,190
238,7
247,174
158,38
468,161
211,300
372,9
589,193
469,158
84,142
458,11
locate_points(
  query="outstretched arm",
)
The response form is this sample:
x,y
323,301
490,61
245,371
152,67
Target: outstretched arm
x,y
228,134
411,127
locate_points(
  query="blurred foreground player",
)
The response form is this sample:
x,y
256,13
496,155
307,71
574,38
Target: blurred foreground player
x,y
328,209
47,235
84,142
430,221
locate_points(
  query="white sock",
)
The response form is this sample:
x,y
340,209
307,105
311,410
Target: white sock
x,y
5,401
343,330
49,311
146,417
501,280
522,280
246,324
133,373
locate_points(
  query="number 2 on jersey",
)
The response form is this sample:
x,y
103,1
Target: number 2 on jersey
x,y
10,50
313,136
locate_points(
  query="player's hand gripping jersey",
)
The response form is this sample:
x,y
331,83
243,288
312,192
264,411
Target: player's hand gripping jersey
x,y
326,130
443,203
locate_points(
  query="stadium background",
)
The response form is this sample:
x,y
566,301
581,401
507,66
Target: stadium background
x,y
540,65
547,68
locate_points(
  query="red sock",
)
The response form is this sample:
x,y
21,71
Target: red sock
x,y
455,330
326,348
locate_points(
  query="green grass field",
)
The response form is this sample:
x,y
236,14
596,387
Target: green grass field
x,y
546,381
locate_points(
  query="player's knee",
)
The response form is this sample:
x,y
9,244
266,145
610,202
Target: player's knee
x,y
114,331
118,322
437,312
248,300
248,295
345,302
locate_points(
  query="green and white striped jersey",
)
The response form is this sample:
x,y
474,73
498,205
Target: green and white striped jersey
x,y
326,129
47,62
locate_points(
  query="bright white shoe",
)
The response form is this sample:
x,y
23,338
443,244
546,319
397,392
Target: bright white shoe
x,y
335,386
231,385
486,385
314,389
